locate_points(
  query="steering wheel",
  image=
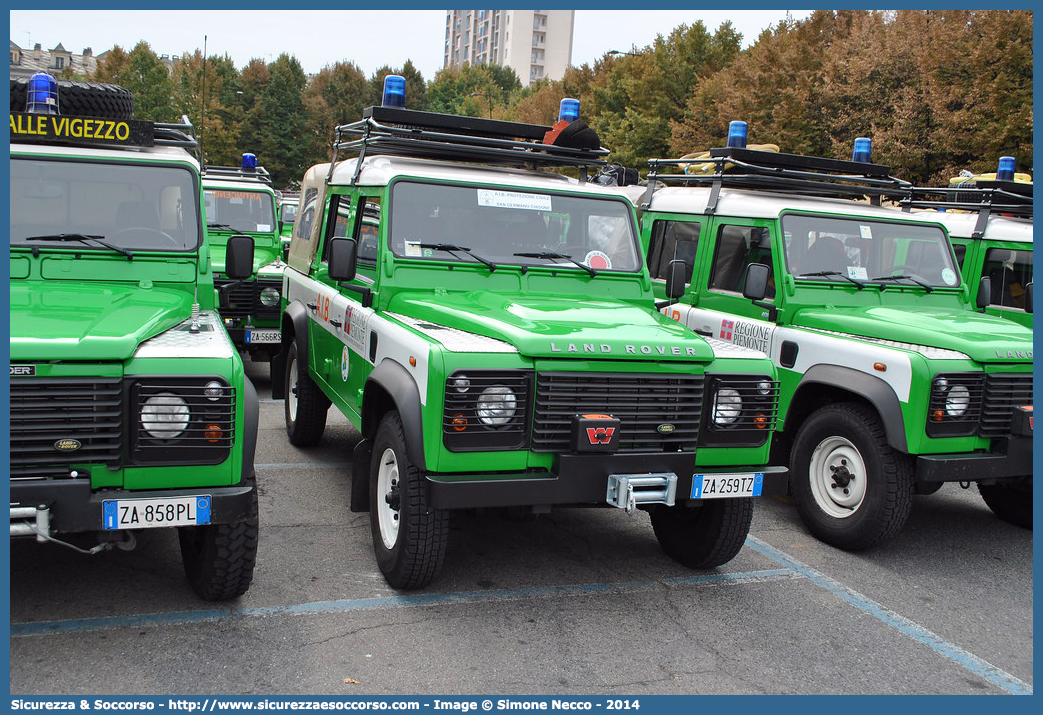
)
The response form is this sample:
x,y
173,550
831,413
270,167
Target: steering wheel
x,y
154,231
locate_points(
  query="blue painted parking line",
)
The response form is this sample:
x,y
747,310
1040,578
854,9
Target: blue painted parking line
x,y
42,628
305,465
939,645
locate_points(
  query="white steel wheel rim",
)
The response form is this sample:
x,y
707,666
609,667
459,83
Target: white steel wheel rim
x,y
291,394
833,456
387,481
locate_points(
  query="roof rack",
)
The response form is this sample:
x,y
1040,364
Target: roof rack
x,y
237,172
182,135
781,173
407,132
985,197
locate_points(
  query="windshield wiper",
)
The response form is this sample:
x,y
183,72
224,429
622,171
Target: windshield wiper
x,y
223,226
450,248
926,286
560,256
83,237
824,274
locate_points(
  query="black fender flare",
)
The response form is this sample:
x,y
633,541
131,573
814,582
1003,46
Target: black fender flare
x,y
297,314
251,419
877,392
404,395
396,381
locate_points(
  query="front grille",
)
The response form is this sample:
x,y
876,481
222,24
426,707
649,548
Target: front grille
x,y
1003,392
642,403
46,412
245,299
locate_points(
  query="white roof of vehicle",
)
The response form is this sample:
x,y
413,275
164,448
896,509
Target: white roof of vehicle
x,y
380,170
998,228
221,182
153,153
759,204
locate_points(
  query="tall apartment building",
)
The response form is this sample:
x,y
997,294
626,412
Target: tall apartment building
x,y
534,43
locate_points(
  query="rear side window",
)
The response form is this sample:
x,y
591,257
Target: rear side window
x,y
1009,272
738,247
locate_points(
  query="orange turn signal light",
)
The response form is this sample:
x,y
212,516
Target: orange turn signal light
x,y
459,423
213,433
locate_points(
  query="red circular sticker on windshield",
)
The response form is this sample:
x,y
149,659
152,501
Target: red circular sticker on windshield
x,y
598,260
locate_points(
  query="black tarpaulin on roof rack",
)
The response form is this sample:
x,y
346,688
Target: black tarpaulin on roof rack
x,y
428,135
735,167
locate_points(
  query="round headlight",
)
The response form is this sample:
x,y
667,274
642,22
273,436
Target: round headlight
x,y
727,407
957,401
496,405
164,416
270,297
462,384
213,390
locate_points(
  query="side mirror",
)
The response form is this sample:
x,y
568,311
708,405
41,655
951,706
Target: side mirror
x,y
1028,298
755,283
239,257
984,297
676,275
343,259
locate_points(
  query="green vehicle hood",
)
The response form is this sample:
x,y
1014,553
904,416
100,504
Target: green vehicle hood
x,y
984,338
102,322
549,327
266,249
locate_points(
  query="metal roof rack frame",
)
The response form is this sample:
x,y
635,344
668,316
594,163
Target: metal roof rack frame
x,y
259,174
182,135
985,197
780,173
411,133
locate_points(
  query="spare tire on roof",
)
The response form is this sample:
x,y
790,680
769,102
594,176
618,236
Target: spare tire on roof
x,y
83,99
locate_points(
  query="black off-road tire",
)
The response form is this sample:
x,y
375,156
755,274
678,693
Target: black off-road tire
x,y
848,439
1010,501
305,405
412,556
81,99
706,536
219,559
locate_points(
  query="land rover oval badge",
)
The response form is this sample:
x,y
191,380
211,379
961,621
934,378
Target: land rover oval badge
x,y
67,445
665,429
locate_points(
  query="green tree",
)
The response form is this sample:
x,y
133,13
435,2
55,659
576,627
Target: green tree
x,y
220,124
114,68
473,90
283,126
148,79
334,96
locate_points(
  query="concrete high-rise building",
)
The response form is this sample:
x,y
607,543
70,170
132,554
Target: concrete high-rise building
x,y
536,44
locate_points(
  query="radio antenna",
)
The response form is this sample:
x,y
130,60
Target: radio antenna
x,y
202,109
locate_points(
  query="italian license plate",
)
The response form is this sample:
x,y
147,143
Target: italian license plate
x,y
154,513
263,336
727,486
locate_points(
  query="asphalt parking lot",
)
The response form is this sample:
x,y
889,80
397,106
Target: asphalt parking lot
x,y
580,601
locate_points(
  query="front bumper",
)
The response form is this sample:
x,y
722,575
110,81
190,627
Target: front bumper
x,y
69,506
580,479
1010,457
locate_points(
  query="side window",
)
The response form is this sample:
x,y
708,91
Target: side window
x,y
672,240
961,253
1010,271
302,227
738,247
338,224
367,229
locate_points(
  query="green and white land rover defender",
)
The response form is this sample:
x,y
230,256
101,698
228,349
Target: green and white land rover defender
x,y
490,331
892,381
130,408
990,226
241,201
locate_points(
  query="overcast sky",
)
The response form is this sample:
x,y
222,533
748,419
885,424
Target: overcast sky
x,y
370,38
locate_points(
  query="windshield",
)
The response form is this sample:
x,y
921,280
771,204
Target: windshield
x,y
841,249
289,212
496,225
132,206
239,210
